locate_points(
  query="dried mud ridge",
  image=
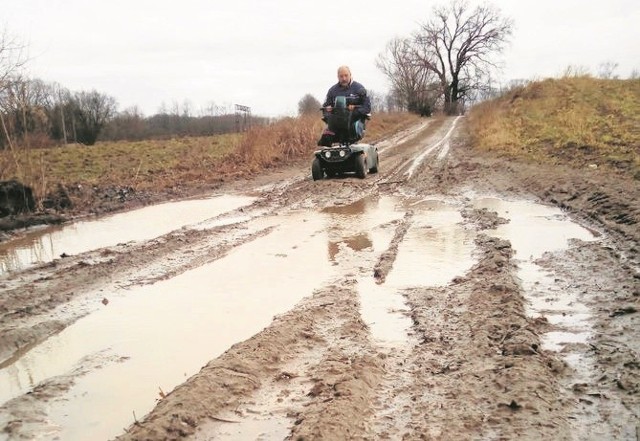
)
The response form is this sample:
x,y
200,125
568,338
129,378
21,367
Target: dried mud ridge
x,y
473,364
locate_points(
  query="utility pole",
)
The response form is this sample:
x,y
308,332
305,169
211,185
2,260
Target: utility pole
x,y
243,118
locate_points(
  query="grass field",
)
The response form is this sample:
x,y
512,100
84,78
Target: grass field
x,y
593,122
189,161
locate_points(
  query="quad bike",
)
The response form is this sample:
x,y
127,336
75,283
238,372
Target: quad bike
x,y
341,153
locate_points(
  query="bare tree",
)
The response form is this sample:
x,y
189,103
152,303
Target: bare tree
x,y
411,82
392,102
26,104
377,101
61,98
187,107
92,111
458,45
576,70
308,105
12,58
606,70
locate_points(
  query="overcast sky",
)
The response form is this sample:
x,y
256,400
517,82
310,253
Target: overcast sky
x,y
268,54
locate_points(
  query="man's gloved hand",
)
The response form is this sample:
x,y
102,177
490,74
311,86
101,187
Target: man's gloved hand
x,y
325,112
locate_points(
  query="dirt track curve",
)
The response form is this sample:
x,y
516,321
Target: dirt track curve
x,y
453,295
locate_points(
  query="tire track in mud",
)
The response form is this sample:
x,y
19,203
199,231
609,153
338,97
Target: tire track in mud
x,y
605,369
434,142
388,257
344,382
344,387
479,368
298,346
472,364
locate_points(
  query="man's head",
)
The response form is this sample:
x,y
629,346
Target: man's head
x,y
344,75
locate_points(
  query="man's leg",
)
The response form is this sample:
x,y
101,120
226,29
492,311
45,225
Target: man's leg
x,y
359,129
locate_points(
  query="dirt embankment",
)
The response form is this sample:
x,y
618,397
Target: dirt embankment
x,y
473,363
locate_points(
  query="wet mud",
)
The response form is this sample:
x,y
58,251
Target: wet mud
x,y
453,295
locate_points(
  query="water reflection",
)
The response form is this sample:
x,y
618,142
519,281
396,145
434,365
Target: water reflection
x,y
358,242
357,208
435,249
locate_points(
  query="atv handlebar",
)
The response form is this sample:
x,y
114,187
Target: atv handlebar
x,y
349,106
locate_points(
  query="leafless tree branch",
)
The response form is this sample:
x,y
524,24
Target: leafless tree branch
x,y
458,45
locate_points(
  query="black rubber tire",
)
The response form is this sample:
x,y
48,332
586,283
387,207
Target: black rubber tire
x,y
374,169
316,170
361,167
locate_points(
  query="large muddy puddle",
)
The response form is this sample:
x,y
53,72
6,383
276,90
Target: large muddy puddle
x,y
154,337
45,245
435,249
111,366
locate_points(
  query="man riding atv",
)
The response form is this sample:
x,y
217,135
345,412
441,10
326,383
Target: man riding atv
x,y
345,110
357,101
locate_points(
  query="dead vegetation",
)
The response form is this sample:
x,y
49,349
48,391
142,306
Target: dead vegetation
x,y
591,122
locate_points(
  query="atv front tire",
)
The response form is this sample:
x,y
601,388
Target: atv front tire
x,y
316,170
361,167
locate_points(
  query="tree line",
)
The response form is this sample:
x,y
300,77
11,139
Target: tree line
x,y
36,113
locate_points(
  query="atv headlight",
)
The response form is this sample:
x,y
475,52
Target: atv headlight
x,y
343,153
327,154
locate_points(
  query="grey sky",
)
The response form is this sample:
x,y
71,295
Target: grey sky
x,y
268,54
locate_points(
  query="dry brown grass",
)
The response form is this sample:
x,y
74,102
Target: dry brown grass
x,y
384,124
578,118
184,162
295,138
268,146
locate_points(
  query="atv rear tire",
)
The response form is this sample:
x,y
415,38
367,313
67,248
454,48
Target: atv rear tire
x,y
316,170
361,167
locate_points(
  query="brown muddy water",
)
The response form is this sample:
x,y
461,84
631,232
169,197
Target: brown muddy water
x,y
435,249
152,338
45,245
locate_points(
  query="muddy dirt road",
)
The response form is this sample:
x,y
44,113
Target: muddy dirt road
x,y
453,295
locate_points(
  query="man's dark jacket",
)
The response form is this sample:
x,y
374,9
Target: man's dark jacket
x,y
355,93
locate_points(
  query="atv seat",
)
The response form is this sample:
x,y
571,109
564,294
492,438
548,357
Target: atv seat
x,y
341,126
